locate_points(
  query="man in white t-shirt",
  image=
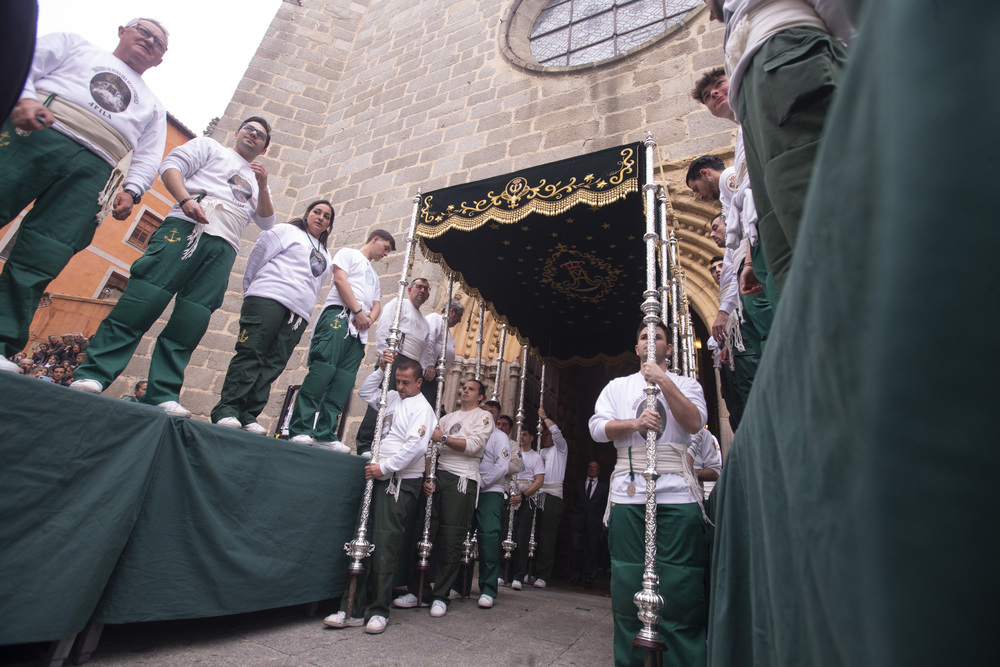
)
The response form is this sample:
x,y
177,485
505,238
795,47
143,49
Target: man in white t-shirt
x,y
413,328
338,341
529,482
219,192
82,112
438,334
554,453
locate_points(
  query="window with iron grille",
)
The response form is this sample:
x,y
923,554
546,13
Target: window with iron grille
x,y
579,32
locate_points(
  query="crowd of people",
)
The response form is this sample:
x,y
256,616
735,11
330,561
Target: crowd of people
x,y
55,360
782,64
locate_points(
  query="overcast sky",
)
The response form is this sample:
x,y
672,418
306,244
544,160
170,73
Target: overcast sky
x,y
211,44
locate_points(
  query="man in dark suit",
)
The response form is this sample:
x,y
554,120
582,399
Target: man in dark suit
x,y
590,499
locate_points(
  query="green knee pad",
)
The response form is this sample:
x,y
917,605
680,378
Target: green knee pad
x,y
187,324
140,305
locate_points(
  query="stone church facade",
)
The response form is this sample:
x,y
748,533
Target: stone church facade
x,y
371,100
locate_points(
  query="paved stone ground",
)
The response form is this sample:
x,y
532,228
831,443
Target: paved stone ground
x,y
535,627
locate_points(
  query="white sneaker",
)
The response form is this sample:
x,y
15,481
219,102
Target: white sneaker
x,y
453,594
485,601
335,446
301,439
255,428
9,366
228,422
515,585
172,408
438,609
539,583
407,601
340,620
500,582
376,625
89,386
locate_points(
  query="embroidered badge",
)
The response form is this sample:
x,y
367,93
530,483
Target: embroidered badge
x,y
486,421
455,428
731,182
505,453
421,430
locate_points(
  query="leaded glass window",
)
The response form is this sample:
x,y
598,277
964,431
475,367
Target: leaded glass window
x,y
577,32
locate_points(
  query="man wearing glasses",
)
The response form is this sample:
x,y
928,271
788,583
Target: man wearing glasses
x,y
84,141
219,192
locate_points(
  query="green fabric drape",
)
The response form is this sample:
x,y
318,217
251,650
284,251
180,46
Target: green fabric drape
x,y
854,514
115,511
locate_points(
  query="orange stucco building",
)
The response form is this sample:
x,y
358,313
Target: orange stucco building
x,y
80,296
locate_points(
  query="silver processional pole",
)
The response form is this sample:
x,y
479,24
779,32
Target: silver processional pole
x,y
648,599
508,544
360,548
534,510
675,300
424,546
497,380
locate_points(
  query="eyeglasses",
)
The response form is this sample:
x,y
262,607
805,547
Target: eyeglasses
x,y
255,133
146,34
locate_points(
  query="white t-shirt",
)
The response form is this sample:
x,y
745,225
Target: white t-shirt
x,y
90,77
209,167
496,462
363,281
411,323
406,429
475,426
624,398
289,266
437,327
554,458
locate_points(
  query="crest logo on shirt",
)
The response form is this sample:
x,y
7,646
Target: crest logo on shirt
x,y
240,187
110,92
455,428
421,430
505,453
731,182
486,421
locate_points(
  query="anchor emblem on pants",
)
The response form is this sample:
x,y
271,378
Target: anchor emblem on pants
x,y
173,238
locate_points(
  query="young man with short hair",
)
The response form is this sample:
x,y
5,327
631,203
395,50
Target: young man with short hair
x,y
219,192
493,473
338,341
682,537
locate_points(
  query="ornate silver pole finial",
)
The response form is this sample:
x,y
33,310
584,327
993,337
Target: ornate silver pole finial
x,y
360,548
498,379
648,600
480,340
508,544
675,299
424,546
